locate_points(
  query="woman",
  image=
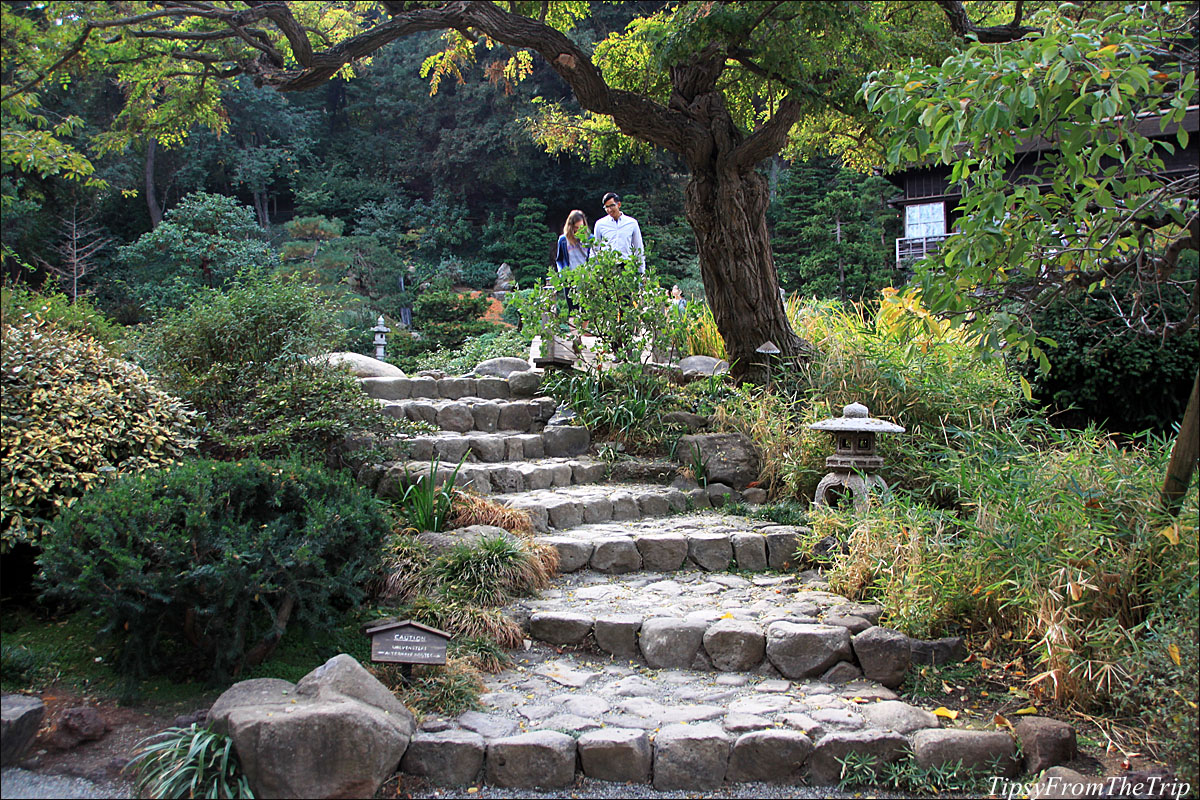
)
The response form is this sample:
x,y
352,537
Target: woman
x,y
571,251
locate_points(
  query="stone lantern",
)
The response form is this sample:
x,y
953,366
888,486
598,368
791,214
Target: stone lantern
x,y
381,331
855,461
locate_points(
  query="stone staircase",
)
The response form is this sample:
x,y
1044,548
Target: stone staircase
x,y
678,647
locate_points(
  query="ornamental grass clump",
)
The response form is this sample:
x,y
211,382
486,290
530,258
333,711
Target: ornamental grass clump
x,y
72,414
189,762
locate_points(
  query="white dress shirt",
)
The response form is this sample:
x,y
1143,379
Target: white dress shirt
x,y
623,235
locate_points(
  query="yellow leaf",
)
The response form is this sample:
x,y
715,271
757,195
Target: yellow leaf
x,y
1026,389
1108,49
942,711
1026,710
1173,652
1171,532
1001,721
1104,74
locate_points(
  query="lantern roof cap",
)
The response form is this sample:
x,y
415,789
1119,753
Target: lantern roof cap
x,y
856,419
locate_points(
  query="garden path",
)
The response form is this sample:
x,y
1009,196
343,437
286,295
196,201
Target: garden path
x,y
676,648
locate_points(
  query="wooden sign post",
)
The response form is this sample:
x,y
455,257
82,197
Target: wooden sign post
x,y
407,643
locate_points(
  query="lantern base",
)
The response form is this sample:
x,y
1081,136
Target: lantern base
x,y
859,486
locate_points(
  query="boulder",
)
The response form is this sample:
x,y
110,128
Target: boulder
x,y
360,366
687,420
564,441
883,654
386,388
662,552
1060,782
617,634
541,760
616,754
501,367
894,715
20,718
800,650
573,554
339,732
937,652
729,458
749,551
448,757
524,383
506,281
770,756
977,750
616,555
455,417
781,545
703,366
77,725
690,757
560,627
671,642
1045,743
710,550
734,645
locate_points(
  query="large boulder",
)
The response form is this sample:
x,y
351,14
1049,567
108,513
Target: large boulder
x,y
20,718
729,458
702,366
339,732
501,367
360,366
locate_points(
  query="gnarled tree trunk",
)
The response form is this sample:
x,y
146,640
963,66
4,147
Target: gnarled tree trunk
x,y
727,211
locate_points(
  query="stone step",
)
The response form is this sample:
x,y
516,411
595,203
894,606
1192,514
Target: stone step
x,y
516,385
498,477
707,540
572,506
467,414
704,620
554,441
555,714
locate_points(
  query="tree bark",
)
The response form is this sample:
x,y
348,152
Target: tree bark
x,y
1183,454
728,213
156,213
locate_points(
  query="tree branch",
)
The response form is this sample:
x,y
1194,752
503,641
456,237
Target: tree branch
x,y
962,26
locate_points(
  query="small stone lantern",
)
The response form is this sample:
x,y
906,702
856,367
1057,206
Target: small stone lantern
x,y
855,461
381,331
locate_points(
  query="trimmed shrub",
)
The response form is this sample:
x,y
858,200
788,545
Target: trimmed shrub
x,y
20,302
242,358
199,568
71,413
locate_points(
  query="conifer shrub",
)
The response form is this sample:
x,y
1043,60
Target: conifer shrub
x,y
196,570
70,414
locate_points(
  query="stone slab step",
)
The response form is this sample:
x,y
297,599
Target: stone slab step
x,y
555,714
555,441
576,505
473,413
706,540
518,384
499,476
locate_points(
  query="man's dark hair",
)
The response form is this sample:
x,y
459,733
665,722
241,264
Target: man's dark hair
x,y
611,196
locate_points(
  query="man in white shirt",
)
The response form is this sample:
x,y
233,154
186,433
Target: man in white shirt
x,y
620,232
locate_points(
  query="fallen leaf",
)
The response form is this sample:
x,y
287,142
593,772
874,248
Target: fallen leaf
x,y
1001,721
1171,532
1173,652
942,711
1027,710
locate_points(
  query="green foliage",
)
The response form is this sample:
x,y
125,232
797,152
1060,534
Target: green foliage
x,y
189,762
461,360
200,567
243,358
1101,203
207,241
1103,375
20,667
624,404
447,690
489,572
80,316
446,318
832,233
71,414
427,503
525,243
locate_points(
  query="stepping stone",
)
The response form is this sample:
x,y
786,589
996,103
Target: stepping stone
x,y
770,756
538,760
691,757
803,651
621,755
824,765
670,642
734,646
894,715
560,627
663,552
977,750
489,726
447,758
561,673
617,634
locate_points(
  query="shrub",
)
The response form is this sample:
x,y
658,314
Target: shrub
x,y
202,566
446,318
242,357
19,302
70,413
207,241
464,358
